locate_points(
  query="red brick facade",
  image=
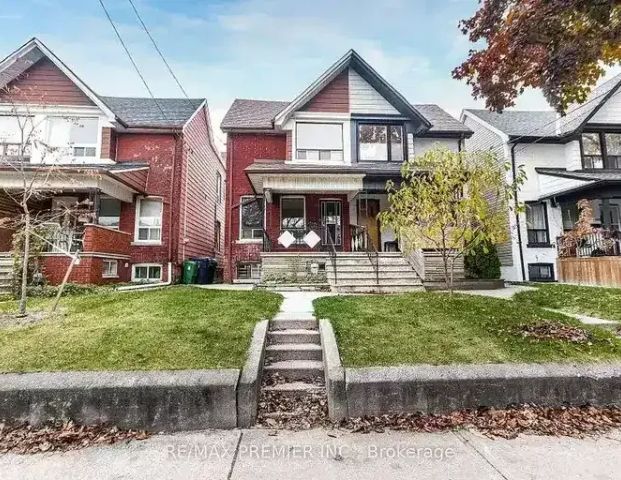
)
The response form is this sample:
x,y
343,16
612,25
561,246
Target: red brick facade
x,y
89,270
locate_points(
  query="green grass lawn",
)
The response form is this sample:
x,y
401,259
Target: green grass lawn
x,y
435,328
594,301
174,328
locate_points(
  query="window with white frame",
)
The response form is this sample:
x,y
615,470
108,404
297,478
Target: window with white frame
x,y
109,212
218,187
293,216
147,272
319,141
80,134
251,218
110,269
15,135
149,220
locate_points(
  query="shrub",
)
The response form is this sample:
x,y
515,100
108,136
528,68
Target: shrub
x,y
483,263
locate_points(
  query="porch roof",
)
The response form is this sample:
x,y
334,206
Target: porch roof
x,y
281,177
119,180
581,182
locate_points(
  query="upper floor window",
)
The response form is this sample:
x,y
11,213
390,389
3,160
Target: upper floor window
x,y
218,187
319,141
380,142
601,150
149,220
15,135
79,134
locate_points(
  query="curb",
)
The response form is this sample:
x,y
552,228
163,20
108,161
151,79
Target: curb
x,y
249,384
334,373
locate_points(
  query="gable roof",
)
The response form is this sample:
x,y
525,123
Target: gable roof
x,y
354,61
153,113
16,63
131,112
546,124
247,114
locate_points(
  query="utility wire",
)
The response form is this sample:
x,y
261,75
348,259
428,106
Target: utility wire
x,y
131,58
157,49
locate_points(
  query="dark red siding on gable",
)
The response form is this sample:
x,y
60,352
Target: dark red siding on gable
x,y
333,98
44,83
242,150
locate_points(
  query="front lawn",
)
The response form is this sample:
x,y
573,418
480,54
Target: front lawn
x,y
593,301
174,328
435,328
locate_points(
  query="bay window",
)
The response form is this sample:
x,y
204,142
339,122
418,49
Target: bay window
x,y
319,141
380,142
537,224
149,220
251,218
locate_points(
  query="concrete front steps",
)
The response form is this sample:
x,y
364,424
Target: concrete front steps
x,y
6,272
357,273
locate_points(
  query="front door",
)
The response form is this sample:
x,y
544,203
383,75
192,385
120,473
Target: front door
x,y
368,210
330,213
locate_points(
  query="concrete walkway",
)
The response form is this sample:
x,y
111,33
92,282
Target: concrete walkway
x,y
261,454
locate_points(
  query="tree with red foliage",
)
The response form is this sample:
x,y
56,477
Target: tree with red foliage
x,y
559,46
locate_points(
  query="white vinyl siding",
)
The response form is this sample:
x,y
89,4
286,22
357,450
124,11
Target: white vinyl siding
x,y
363,98
610,111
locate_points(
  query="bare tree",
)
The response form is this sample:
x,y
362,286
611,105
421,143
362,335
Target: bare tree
x,y
25,136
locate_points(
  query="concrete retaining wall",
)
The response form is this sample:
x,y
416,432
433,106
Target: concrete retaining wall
x,y
334,372
154,401
249,385
440,389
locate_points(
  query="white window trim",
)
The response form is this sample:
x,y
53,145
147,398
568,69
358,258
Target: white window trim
x,y
219,185
137,223
292,196
116,262
239,234
147,265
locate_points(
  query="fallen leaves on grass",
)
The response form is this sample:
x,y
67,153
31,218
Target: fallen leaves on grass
x,y
25,439
505,423
555,331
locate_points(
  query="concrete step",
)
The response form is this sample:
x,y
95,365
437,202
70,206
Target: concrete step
x,y
293,336
295,389
295,315
378,289
307,324
383,282
345,275
294,351
367,261
367,267
297,370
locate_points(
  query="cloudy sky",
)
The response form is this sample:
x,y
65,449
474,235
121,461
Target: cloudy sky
x,y
268,49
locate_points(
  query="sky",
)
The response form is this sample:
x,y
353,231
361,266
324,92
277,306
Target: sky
x,y
264,49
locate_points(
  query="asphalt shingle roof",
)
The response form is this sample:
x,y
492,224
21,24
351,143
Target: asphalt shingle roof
x,y
155,113
585,175
259,114
544,123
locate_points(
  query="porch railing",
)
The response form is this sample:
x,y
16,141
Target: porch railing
x,y
86,238
598,244
361,242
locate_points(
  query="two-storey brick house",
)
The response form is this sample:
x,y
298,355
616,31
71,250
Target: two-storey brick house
x,y
145,173
307,178
566,159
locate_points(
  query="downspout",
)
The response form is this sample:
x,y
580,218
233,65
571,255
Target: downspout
x,y
171,216
517,214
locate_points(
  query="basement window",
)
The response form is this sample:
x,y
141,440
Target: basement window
x,y
110,269
147,273
540,272
248,271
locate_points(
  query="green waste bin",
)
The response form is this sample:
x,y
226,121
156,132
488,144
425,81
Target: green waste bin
x,y
190,271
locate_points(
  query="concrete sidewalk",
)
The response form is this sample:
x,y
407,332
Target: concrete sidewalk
x,y
258,454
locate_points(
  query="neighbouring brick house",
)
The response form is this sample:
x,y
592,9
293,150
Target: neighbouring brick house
x,y
145,173
307,178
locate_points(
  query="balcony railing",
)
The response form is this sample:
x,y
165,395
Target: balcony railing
x,y
598,244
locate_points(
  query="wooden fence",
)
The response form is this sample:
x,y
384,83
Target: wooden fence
x,y
604,271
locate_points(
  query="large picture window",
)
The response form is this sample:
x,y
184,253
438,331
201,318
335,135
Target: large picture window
x,y
80,134
251,218
380,142
537,224
149,221
319,141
